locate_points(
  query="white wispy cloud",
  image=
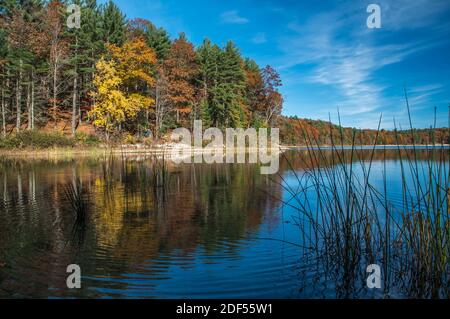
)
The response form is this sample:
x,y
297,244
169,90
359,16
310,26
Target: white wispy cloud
x,y
233,17
407,14
426,88
340,52
419,96
259,38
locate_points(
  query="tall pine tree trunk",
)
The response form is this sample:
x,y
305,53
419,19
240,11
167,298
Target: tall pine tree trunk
x,y
157,110
74,104
32,99
82,85
75,92
4,105
18,97
29,106
55,71
3,111
79,113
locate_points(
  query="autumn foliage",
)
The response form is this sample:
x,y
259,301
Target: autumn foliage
x,y
128,77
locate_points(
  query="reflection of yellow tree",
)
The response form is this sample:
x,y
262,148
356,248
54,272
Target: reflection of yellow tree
x,y
114,203
204,204
109,220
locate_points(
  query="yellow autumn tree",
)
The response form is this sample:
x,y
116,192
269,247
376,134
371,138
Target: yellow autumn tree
x,y
111,105
119,83
135,62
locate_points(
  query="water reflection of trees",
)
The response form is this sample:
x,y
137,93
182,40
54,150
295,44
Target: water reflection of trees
x,y
306,159
202,204
133,219
141,214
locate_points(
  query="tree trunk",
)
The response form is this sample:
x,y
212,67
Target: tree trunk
x,y
32,99
157,110
54,92
82,85
79,113
74,105
75,93
4,105
3,112
29,106
18,97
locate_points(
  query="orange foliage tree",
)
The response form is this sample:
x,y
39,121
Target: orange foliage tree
x,y
181,68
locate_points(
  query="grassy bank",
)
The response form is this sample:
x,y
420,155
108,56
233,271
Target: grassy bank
x,y
39,140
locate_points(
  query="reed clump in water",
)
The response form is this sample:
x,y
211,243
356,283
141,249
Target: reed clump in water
x,y
347,223
159,182
160,174
424,240
79,202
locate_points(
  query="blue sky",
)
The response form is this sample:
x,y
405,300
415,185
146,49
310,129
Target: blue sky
x,y
326,55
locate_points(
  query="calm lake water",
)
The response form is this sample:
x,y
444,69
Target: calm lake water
x,y
212,231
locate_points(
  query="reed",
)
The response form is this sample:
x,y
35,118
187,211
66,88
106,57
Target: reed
x,y
79,201
347,223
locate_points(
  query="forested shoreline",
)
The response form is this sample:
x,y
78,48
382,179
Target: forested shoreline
x,y
122,75
297,131
125,80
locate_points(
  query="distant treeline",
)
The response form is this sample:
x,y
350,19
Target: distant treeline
x,y
121,75
296,131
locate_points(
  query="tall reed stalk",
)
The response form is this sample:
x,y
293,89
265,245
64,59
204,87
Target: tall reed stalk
x,y
79,202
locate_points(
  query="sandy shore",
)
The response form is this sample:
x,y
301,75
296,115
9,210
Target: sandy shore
x,y
104,151
157,150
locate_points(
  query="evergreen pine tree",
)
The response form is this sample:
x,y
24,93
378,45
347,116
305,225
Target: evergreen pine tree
x,y
158,40
21,29
228,94
86,46
113,24
208,56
